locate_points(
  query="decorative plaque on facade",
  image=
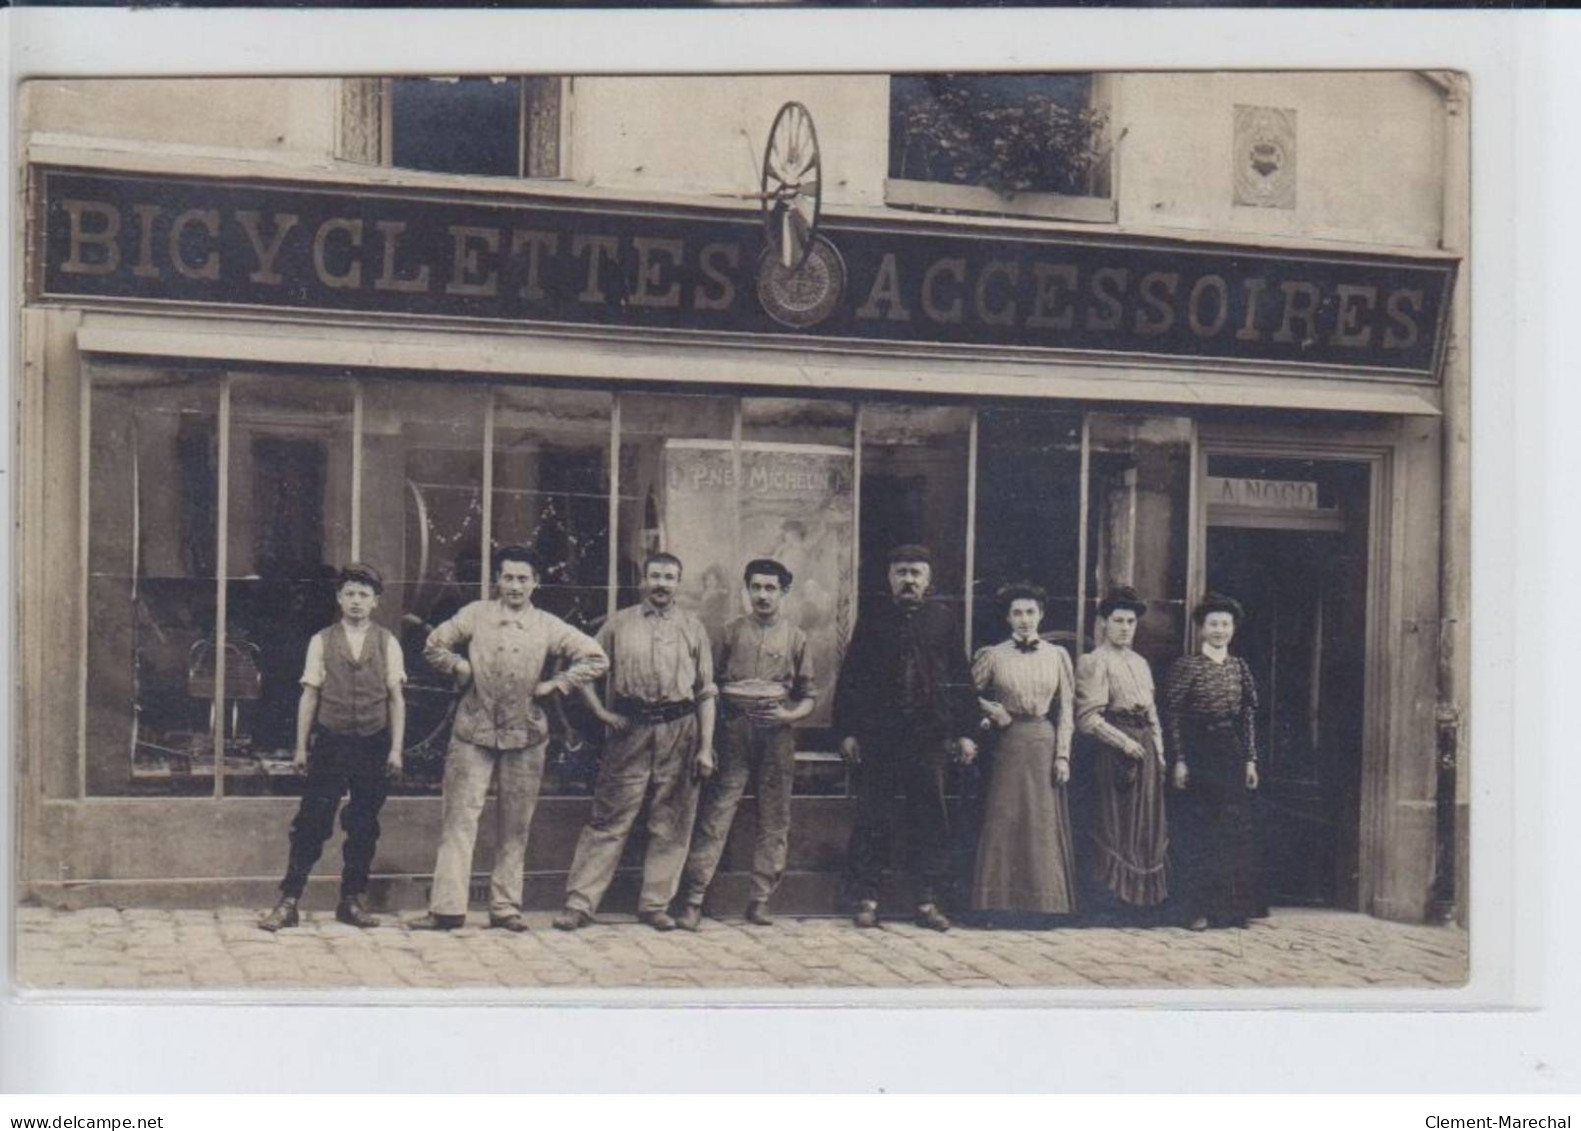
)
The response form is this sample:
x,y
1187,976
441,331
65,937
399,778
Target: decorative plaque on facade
x,y
1265,157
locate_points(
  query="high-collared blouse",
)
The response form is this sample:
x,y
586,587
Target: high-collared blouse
x,y
1027,684
777,651
1114,679
1200,689
508,650
657,656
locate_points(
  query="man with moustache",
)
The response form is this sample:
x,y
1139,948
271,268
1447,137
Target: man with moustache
x,y
498,651
766,686
661,691
905,697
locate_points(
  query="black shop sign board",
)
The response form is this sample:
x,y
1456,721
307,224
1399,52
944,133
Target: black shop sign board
x,y
563,262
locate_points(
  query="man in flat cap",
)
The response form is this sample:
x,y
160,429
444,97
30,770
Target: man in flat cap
x,y
904,704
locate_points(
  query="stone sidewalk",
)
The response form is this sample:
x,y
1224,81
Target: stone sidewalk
x,y
135,949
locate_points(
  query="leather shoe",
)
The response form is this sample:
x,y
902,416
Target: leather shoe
x,y
658,920
433,921
354,913
929,916
758,914
690,918
866,913
572,919
512,922
281,915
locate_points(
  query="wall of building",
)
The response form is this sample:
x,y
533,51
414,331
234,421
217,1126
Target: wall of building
x,y
278,118
1369,146
1369,155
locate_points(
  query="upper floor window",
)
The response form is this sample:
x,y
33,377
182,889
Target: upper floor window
x,y
486,126
1018,144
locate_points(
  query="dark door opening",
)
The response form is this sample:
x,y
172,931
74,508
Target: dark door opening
x,y
1288,539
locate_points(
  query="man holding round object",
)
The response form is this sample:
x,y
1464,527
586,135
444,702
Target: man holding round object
x,y
904,703
765,673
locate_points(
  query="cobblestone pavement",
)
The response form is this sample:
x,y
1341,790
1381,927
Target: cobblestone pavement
x,y
141,949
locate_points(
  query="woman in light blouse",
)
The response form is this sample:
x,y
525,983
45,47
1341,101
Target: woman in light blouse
x,y
1115,706
1211,703
1025,870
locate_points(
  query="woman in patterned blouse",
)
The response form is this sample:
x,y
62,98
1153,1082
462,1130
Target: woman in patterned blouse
x,y
1114,705
1211,705
1025,871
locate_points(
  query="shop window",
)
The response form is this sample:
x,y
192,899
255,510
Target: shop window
x,y
487,126
675,455
151,591
289,527
1014,144
1028,517
914,489
1139,522
421,522
720,481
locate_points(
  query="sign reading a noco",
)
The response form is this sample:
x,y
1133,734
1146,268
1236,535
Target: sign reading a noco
x,y
559,262
1272,494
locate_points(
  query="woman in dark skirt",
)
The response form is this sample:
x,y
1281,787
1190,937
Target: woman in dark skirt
x,y
1115,707
1025,873
1211,705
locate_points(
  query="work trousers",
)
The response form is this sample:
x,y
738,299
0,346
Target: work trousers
x,y
745,748
913,765
339,763
468,771
657,756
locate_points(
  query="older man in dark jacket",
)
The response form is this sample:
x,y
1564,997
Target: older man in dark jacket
x,y
903,704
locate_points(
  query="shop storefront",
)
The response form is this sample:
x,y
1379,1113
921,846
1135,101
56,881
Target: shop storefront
x,y
237,385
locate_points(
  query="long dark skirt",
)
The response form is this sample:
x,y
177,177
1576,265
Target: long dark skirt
x,y
1217,849
1024,858
1129,830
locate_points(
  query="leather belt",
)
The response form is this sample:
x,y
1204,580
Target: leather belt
x,y
653,714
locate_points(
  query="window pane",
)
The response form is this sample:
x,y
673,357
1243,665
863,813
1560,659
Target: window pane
x,y
1009,132
670,445
153,477
551,493
797,505
289,530
468,125
422,524
1028,516
914,475
1138,522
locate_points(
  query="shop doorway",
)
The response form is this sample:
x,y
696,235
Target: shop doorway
x,y
1289,540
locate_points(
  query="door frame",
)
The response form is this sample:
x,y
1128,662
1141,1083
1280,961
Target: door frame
x,y
1377,453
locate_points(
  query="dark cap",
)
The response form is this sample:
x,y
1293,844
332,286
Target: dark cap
x,y
1218,603
911,552
363,572
1122,597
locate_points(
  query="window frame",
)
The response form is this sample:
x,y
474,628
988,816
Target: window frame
x,y
910,193
225,379
367,125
